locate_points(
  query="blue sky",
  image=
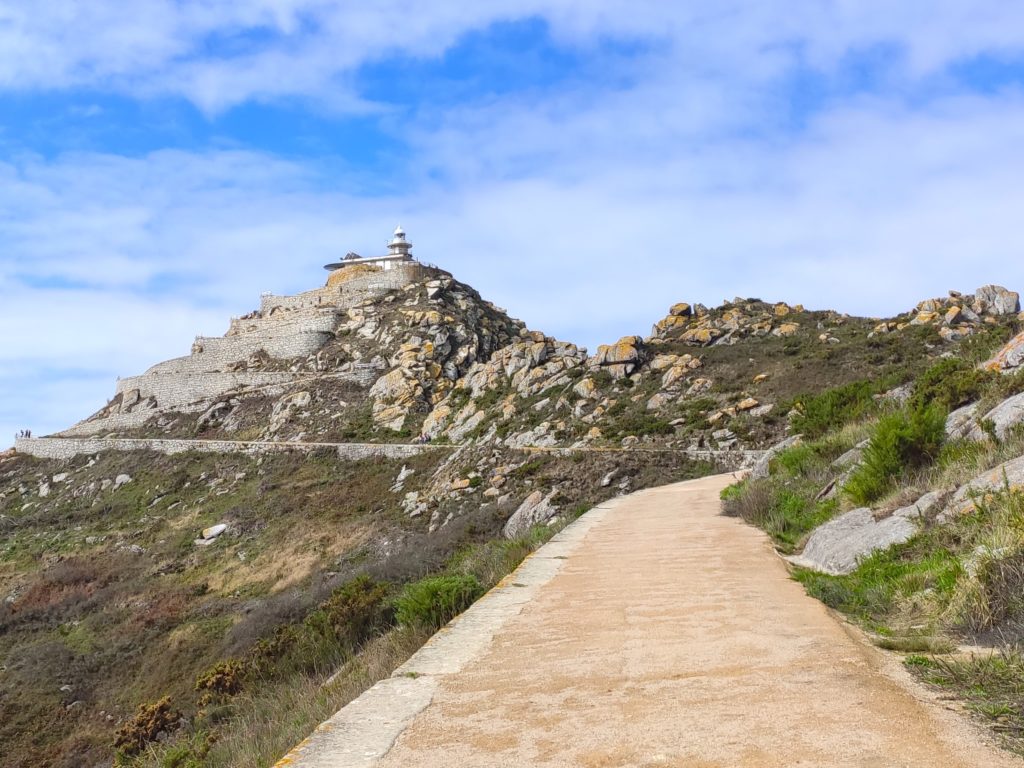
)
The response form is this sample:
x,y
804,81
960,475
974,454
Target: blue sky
x,y
584,164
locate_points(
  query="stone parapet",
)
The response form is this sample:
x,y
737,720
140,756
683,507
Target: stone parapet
x,y
67,448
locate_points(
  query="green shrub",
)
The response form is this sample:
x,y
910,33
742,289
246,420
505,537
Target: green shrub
x,y
796,461
903,440
949,384
359,609
434,601
833,408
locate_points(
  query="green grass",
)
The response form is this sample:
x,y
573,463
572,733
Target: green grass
x,y
992,685
871,591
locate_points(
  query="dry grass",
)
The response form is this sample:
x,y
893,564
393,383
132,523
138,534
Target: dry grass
x,y
266,725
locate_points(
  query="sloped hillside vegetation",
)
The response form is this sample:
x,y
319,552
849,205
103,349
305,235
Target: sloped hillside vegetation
x,y
907,515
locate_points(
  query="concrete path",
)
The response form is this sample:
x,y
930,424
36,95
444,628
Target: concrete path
x,y
654,632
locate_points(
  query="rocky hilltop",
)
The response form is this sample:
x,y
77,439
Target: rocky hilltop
x,y
235,532
412,352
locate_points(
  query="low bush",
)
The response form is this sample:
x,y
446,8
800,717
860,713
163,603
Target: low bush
x,y
221,680
833,408
359,609
147,724
901,441
949,384
436,600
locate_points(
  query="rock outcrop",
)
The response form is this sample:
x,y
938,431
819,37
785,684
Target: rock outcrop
x,y
840,544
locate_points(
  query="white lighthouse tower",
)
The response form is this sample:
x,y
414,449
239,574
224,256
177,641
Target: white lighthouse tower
x,y
399,246
399,252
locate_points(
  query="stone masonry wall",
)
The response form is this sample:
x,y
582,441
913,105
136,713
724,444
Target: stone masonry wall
x,y
319,320
171,390
349,293
67,448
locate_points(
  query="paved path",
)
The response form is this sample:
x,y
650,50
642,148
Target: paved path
x,y
656,633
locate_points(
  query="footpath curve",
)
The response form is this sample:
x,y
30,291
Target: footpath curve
x,y
652,632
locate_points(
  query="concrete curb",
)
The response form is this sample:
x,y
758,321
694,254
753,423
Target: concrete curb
x,y
363,731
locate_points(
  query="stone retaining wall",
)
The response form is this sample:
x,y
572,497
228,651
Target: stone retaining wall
x,y
218,352
348,294
301,321
66,448
172,390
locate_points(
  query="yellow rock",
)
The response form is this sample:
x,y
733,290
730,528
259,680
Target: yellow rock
x,y
459,485
674,376
682,309
787,329
594,434
585,388
952,315
436,419
798,308
781,309
925,318
669,323
700,335
664,362
760,377
746,404
623,351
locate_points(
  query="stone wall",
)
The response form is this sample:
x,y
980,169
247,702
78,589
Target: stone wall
x,y
216,353
67,448
319,320
346,295
171,391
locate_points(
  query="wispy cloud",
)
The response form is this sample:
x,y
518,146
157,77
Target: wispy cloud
x,y
222,54
825,153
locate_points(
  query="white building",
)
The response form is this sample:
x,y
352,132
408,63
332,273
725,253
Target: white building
x,y
399,251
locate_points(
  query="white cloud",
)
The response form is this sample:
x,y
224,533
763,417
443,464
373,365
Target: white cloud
x,y
221,54
586,210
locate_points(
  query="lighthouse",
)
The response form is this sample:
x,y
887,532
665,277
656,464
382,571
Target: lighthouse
x,y
399,246
399,252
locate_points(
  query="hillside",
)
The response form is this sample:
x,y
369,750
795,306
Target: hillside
x,y
908,517
347,536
